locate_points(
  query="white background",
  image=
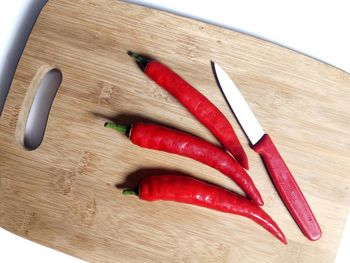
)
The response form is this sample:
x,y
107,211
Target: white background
x,y
316,28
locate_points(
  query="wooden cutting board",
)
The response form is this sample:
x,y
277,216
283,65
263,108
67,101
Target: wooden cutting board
x,y
64,194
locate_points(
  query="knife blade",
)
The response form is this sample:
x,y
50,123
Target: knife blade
x,y
261,143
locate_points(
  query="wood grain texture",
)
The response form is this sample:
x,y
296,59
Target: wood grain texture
x,y
64,194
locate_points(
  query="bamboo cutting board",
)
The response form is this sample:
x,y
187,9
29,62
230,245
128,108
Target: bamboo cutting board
x,y
66,195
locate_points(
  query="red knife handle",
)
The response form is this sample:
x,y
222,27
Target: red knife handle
x,y
288,188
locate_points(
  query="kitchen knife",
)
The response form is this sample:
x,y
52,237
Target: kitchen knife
x,y
282,178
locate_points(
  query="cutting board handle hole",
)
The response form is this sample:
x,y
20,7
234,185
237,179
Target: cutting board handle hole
x,y
34,114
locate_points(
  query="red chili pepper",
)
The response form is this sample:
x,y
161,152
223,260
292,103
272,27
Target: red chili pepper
x,y
156,137
188,190
196,103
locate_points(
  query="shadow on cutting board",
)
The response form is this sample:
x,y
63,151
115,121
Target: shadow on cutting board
x,y
133,179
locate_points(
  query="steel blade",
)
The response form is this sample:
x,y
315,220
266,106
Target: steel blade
x,y
239,106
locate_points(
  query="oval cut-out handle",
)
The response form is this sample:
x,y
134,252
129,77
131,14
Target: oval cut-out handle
x,y
36,107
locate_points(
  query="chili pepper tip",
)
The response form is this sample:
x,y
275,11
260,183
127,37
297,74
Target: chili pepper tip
x,y
130,192
131,54
142,61
135,56
118,127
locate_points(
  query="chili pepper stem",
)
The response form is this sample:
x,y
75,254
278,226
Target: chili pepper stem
x,y
141,60
130,192
118,127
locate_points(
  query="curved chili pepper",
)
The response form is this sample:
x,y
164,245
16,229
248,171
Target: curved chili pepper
x,y
196,103
156,137
188,190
